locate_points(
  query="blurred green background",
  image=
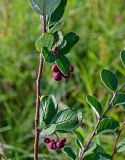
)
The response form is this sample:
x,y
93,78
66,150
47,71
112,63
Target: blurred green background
x,y
101,27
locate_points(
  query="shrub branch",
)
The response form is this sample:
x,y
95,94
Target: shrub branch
x,y
117,139
99,120
39,76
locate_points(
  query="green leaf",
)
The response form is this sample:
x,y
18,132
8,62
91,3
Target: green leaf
x,y
121,146
122,57
63,64
48,109
123,107
47,132
45,7
69,41
97,156
45,40
78,143
56,27
109,79
95,104
48,56
107,125
58,13
80,137
67,120
42,123
91,147
58,38
99,149
119,99
70,152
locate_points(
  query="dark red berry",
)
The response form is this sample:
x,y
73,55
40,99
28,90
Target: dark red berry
x,y
46,140
57,76
66,76
60,144
55,68
63,140
71,68
52,145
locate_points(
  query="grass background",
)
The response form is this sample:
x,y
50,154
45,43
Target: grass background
x,y
101,27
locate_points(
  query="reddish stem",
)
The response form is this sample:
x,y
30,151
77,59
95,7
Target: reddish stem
x,y
83,150
37,114
117,139
92,136
36,143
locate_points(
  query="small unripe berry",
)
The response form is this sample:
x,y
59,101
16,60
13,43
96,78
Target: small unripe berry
x,y
55,68
66,76
71,68
46,140
57,76
60,144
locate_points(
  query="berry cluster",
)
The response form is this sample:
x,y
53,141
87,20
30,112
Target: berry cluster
x,y
53,144
57,74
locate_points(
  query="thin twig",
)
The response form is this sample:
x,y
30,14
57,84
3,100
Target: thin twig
x,y
117,139
37,108
99,120
37,114
91,137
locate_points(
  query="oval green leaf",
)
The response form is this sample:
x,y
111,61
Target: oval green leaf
x,y
70,152
109,79
45,40
97,156
80,137
48,109
122,57
92,146
122,107
119,99
56,27
48,56
67,120
63,64
107,125
47,132
69,41
78,144
95,104
58,13
45,7
121,146
99,149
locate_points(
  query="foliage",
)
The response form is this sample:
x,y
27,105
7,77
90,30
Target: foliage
x,y
101,38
